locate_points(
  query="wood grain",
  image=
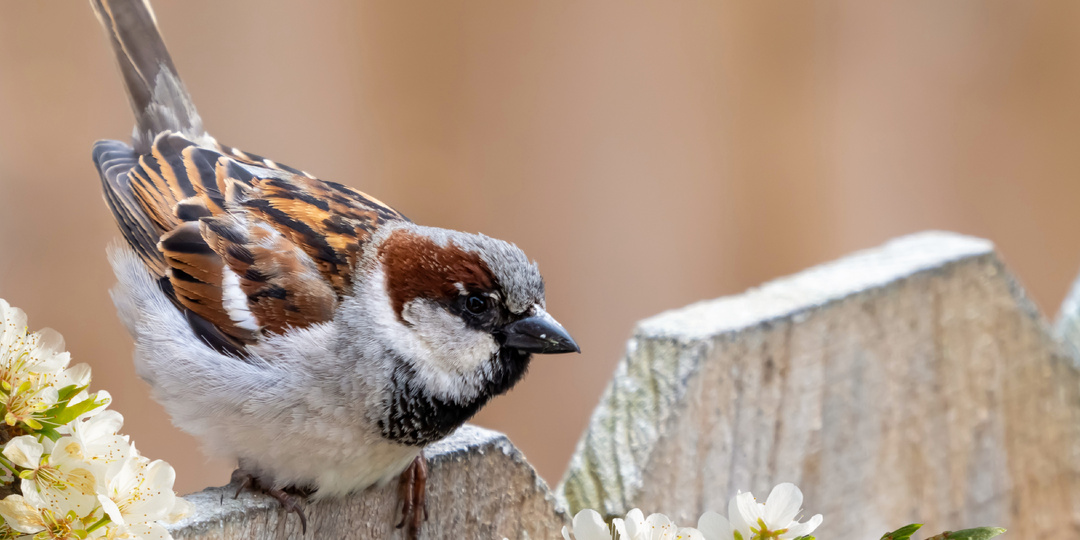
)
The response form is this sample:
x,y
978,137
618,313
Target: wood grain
x,y
910,383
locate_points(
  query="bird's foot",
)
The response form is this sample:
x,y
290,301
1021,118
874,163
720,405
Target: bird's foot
x,y
289,498
291,503
413,497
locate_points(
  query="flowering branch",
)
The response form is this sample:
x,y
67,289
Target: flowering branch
x,y
69,473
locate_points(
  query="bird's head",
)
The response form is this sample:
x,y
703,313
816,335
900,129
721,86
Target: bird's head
x,y
462,314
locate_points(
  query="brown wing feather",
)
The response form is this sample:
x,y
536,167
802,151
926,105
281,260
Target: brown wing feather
x,y
280,283
248,245
329,221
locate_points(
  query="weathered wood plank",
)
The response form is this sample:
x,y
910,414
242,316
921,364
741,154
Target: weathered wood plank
x,y
913,382
480,486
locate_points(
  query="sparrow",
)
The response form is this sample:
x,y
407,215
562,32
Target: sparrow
x,y
305,329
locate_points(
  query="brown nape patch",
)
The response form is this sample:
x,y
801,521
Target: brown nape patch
x,y
417,267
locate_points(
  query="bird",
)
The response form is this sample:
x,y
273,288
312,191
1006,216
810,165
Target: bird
x,y
300,327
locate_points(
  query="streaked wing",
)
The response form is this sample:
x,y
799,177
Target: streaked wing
x,y
245,245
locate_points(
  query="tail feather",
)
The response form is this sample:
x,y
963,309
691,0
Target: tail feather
x,y
115,161
158,97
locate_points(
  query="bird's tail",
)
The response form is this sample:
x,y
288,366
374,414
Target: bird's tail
x,y
158,97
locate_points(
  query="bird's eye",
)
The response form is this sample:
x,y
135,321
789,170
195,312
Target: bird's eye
x,y
476,304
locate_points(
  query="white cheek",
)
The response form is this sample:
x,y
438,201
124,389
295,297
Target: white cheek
x,y
453,346
448,357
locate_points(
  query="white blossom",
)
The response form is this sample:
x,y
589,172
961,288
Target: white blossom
x,y
82,479
660,527
22,352
52,477
717,527
774,519
588,525
138,491
97,438
51,523
631,525
77,375
26,362
45,352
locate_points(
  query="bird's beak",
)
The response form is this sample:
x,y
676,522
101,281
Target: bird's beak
x,y
539,333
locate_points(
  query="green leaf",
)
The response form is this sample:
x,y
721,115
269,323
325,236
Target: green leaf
x,y
49,432
63,412
69,392
978,533
903,533
806,537
71,412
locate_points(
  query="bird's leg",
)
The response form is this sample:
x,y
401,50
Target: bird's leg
x,y
405,489
414,497
290,500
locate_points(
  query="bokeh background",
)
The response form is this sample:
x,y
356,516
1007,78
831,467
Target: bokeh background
x,y
647,154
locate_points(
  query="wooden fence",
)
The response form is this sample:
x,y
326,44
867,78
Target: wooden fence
x,y
911,382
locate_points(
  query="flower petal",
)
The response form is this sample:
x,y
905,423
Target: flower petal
x,y
46,352
588,525
65,451
104,424
12,325
635,524
111,510
783,505
79,374
12,335
151,498
47,397
659,527
749,509
24,451
689,533
715,527
619,525
803,529
738,523
20,515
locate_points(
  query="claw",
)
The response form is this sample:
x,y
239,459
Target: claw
x,y
245,483
290,502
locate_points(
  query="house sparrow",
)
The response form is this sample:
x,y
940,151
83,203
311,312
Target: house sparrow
x,y
300,326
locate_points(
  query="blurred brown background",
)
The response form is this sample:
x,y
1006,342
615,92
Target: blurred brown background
x,y
648,154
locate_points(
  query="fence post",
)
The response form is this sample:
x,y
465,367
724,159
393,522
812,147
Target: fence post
x,y
480,486
912,382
